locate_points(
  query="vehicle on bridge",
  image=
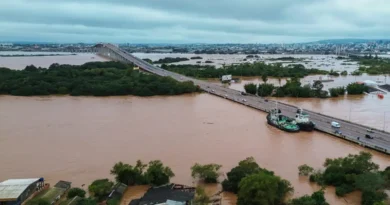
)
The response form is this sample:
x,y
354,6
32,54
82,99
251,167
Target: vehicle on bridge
x,y
369,136
370,130
276,119
335,124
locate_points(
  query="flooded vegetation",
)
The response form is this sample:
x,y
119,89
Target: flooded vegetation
x,y
79,139
94,133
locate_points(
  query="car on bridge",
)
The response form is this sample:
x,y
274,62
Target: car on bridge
x,y
335,124
369,136
370,130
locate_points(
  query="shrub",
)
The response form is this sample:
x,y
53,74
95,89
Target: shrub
x,y
76,192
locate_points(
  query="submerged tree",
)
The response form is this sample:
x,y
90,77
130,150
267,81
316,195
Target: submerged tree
x,y
208,172
263,189
157,174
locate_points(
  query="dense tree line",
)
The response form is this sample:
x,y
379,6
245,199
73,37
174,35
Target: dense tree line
x,y
94,78
256,185
253,184
351,173
292,88
196,57
373,65
356,88
170,60
334,73
255,69
250,88
335,92
317,198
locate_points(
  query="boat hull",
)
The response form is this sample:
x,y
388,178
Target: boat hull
x,y
272,123
306,126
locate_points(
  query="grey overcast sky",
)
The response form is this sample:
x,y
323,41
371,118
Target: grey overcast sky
x,y
192,21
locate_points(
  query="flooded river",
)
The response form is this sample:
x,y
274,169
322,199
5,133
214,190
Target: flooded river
x,y
80,138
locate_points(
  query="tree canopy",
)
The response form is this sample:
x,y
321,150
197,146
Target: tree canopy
x,y
94,78
262,189
156,173
305,170
356,89
101,188
354,172
207,173
317,198
76,192
250,88
246,69
245,167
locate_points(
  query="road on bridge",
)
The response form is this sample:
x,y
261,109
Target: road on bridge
x,y
350,131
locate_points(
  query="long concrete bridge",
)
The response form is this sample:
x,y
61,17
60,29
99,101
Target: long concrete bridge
x,y
350,131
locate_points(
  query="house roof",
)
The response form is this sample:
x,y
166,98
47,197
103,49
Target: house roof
x,y
118,190
63,185
11,189
164,193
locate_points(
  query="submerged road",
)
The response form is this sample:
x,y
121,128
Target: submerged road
x,y
350,131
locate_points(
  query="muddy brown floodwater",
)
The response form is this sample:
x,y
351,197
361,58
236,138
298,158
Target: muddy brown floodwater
x,y
80,138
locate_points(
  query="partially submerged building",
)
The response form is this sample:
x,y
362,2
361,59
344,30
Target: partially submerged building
x,y
171,194
16,191
117,191
53,194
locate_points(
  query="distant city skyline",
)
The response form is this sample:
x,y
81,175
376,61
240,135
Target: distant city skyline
x,y
201,21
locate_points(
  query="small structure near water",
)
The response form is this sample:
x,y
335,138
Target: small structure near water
x,y
16,191
53,194
171,194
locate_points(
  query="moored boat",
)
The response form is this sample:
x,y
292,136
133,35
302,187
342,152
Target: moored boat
x,y
303,121
276,119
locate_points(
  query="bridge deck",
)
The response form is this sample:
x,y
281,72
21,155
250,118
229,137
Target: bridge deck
x,y
350,131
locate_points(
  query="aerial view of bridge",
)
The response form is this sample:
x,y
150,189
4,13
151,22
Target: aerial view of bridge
x,y
350,131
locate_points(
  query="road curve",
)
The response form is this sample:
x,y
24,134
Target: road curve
x,y
350,131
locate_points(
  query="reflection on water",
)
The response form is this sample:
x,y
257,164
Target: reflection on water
x,y
80,138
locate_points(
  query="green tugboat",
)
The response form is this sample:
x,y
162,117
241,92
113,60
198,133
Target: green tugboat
x,y
276,119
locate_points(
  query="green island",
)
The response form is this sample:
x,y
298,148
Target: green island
x,y
355,172
171,60
246,69
294,88
372,65
89,79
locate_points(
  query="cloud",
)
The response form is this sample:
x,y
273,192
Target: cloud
x,y
186,21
